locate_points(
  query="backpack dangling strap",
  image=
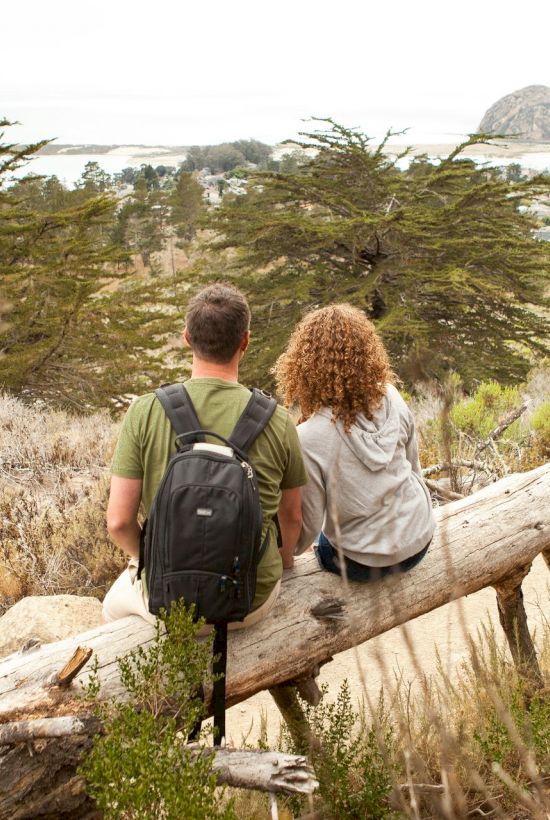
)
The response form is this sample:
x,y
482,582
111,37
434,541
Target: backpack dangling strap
x,y
219,668
178,406
254,418
141,562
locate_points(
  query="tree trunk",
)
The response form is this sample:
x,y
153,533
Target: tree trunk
x,y
480,541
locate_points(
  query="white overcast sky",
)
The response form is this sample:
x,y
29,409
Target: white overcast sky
x,y
179,73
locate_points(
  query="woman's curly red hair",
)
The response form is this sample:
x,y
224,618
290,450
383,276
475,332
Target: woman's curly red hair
x,y
335,359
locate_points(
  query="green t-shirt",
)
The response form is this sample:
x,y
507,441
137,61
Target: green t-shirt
x,y
147,441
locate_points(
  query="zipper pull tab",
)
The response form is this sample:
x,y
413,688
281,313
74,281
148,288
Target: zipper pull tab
x,y
248,470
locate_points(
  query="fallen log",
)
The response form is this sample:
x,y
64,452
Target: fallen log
x,y
242,768
480,541
271,772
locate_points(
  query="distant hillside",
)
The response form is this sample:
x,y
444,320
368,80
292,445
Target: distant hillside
x,y
525,112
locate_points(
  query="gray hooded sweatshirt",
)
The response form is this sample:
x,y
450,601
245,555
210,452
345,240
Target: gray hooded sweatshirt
x,y
365,488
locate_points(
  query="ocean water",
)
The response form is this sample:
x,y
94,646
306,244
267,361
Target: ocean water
x,y
69,167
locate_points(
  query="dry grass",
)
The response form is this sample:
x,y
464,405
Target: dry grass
x,y
53,494
471,746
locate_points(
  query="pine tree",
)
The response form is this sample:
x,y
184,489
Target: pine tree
x,y
80,330
440,255
94,179
141,221
186,202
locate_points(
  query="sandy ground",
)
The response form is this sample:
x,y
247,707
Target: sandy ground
x,y
441,630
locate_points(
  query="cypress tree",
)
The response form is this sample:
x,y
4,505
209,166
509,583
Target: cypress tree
x,y
80,329
186,202
439,254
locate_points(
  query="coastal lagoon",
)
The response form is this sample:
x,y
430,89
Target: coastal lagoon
x,y
69,167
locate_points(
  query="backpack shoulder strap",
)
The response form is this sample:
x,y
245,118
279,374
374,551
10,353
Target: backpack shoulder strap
x,y
178,406
254,418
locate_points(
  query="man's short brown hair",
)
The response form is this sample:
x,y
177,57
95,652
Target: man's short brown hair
x,y
217,319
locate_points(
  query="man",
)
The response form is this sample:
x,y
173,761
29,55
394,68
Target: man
x,y
217,331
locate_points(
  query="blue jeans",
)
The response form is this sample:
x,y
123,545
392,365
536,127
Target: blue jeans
x,y
328,560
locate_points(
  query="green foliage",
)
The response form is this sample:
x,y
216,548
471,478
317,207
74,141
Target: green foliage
x,y
140,767
54,246
186,202
481,413
226,156
253,150
439,255
531,719
149,174
354,763
94,179
66,280
238,173
141,220
540,422
290,163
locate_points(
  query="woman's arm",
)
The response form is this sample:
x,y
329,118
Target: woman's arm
x,y
314,500
411,447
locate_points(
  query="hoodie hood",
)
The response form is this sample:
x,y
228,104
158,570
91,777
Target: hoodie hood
x,y
373,442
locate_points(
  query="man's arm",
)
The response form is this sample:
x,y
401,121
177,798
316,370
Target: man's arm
x,y
290,522
122,512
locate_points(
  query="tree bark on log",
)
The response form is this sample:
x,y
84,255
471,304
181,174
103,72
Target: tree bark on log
x,y
273,772
479,542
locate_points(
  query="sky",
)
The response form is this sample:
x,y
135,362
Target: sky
x,y
182,73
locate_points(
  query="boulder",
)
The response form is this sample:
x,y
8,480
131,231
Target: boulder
x,y
525,113
42,619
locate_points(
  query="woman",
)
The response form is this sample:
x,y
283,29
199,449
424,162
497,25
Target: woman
x,y
365,503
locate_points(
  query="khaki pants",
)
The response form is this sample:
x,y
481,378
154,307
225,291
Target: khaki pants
x,y
127,597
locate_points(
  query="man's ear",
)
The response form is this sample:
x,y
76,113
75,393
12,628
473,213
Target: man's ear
x,y
246,340
186,339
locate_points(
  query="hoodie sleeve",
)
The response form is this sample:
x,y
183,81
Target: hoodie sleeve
x,y
411,447
313,499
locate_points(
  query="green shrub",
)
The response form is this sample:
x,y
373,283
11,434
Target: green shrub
x,y
478,415
140,768
354,762
531,717
540,422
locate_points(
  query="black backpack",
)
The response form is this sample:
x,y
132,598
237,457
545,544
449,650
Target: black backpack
x,y
202,541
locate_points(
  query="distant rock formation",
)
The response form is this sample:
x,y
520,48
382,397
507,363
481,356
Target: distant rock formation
x,y
525,113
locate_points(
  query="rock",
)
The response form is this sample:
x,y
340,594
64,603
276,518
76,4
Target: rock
x,y
525,113
41,619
